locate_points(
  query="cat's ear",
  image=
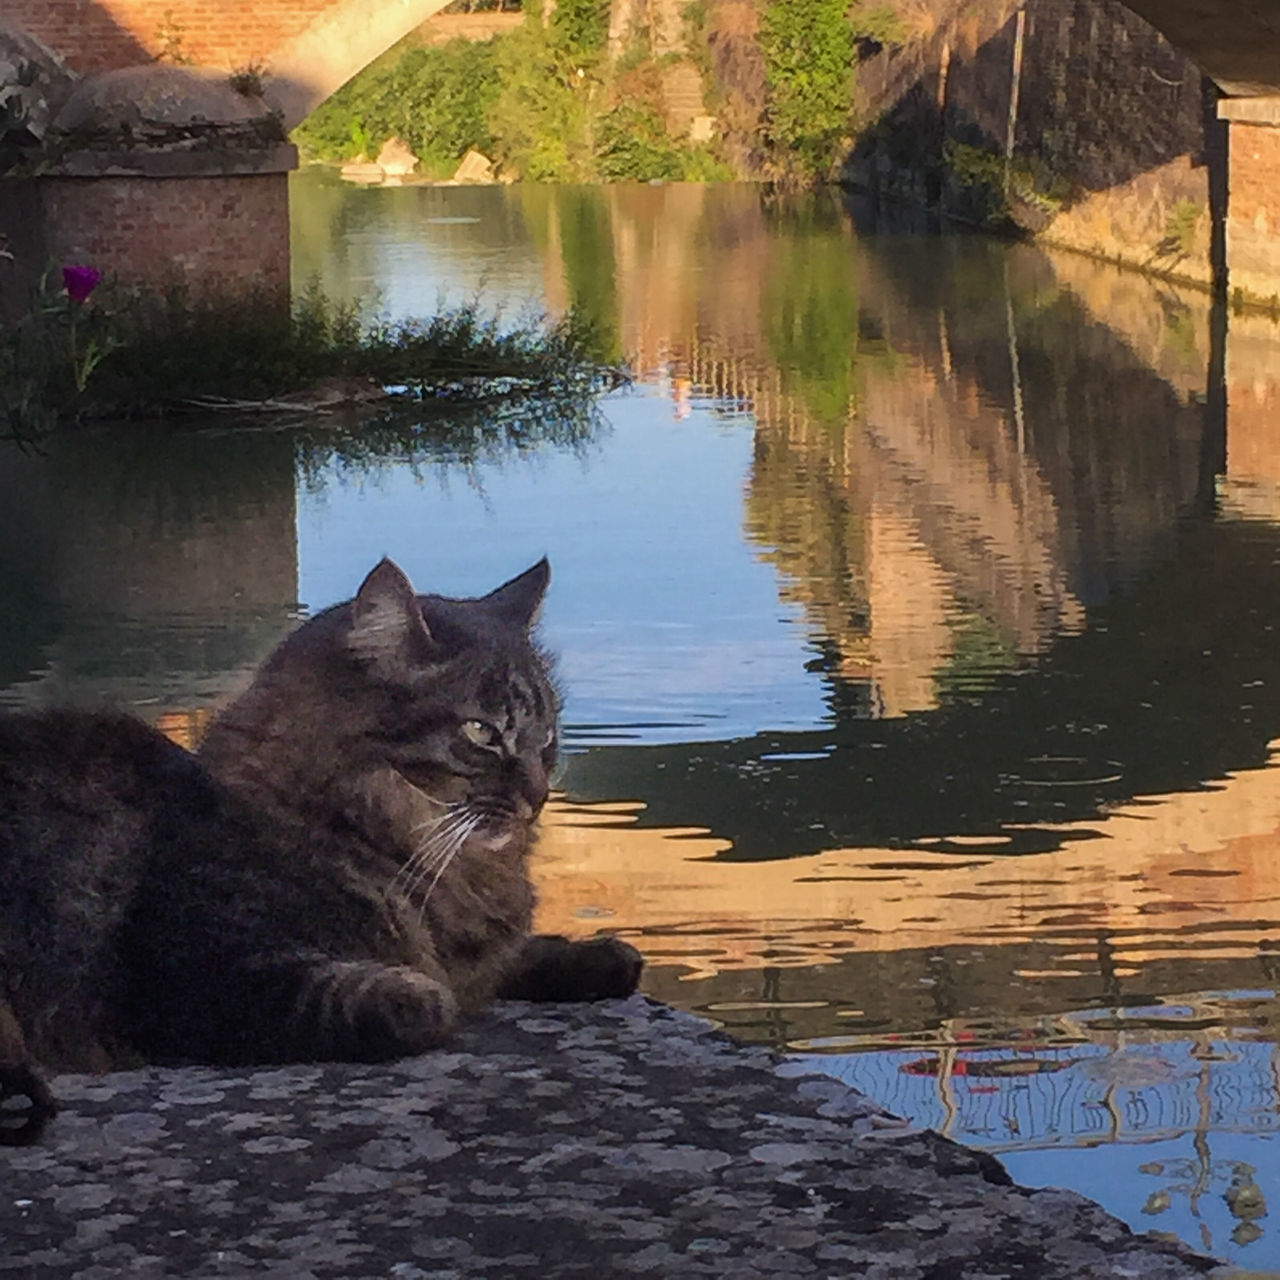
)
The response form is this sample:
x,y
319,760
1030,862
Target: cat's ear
x,y
519,600
386,621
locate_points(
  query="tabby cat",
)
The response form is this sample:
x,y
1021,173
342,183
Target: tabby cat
x,y
340,873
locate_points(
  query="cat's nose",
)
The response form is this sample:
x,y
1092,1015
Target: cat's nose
x,y
534,789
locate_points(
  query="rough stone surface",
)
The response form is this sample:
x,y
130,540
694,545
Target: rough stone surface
x,y
621,1139
159,106
34,75
396,157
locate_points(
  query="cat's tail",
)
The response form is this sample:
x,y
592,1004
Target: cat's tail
x,y
26,1105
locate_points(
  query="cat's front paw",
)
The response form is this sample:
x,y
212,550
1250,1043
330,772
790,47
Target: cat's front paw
x,y
402,1012
554,968
610,968
364,1011
26,1105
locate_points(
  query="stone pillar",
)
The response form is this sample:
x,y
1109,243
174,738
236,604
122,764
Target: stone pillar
x,y
1253,208
158,176
204,222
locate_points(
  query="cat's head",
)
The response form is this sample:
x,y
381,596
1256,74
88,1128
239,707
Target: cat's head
x,y
455,695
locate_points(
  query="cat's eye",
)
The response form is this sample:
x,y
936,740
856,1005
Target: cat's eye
x,y
482,734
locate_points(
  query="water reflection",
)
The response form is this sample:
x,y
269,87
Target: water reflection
x,y
1174,684
917,623
151,568
155,564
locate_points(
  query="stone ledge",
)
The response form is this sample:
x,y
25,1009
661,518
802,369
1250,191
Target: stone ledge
x,y
607,1140
203,162
1258,110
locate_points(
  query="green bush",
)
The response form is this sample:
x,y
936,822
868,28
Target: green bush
x,y
542,101
808,47
437,99
633,144
541,119
581,27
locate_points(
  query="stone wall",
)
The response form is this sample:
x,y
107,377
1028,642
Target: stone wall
x,y
1113,132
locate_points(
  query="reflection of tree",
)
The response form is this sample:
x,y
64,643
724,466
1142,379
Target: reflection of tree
x,y
1115,446
811,304
585,240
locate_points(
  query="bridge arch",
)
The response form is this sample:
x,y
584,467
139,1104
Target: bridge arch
x,y
306,48
312,47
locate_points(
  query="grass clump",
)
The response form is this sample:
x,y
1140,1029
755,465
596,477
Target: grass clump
x,y
155,354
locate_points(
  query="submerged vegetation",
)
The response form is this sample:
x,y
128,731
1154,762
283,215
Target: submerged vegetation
x,y
73,357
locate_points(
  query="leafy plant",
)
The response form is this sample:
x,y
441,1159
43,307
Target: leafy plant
x,y
1001,185
580,27
248,80
1180,227
633,144
171,36
808,47
437,99
542,118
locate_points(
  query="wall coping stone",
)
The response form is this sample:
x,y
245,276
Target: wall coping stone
x,y
1257,110
617,1139
175,162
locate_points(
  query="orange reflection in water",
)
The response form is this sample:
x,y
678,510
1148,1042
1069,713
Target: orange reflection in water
x,y
1195,873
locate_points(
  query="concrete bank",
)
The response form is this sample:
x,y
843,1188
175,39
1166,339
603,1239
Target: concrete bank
x,y
622,1139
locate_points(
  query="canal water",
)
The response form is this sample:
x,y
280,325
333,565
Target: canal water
x,y
917,612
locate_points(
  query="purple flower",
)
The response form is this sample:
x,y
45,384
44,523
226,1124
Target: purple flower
x,y
80,282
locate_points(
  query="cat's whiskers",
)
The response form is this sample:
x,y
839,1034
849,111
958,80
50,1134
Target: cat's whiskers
x,y
436,848
410,870
474,820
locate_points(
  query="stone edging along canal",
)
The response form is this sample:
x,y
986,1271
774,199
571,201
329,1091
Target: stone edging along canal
x,y
618,1139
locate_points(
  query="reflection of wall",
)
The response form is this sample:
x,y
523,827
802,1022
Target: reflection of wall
x,y
1253,411
1186,883
1025,458
928,465
147,558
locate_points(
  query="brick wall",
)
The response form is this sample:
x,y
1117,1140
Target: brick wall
x,y
93,35
215,234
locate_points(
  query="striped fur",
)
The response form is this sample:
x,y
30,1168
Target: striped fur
x,y
341,873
